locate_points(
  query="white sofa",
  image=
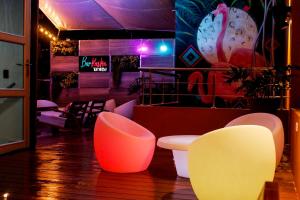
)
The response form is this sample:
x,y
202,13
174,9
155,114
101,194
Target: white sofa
x,y
126,109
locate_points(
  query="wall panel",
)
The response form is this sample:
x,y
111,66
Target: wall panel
x,y
157,61
93,85
64,63
93,47
124,47
295,51
94,80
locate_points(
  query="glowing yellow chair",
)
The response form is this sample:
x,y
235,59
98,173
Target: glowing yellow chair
x,y
269,121
232,163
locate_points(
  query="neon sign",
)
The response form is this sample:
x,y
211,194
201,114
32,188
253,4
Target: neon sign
x,y
93,63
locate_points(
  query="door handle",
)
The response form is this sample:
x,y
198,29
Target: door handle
x,y
28,64
27,67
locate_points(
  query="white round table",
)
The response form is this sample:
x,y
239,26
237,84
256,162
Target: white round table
x,y
179,146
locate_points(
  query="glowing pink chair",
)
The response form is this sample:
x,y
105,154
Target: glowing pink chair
x,y
122,145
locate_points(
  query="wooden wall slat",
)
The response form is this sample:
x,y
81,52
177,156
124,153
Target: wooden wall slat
x,y
295,33
117,47
81,94
94,80
87,94
157,61
295,141
130,46
295,52
128,78
154,47
93,85
124,47
93,47
64,63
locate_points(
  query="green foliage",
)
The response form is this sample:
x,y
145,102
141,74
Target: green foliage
x,y
264,89
64,48
69,80
260,84
66,79
236,74
190,12
129,63
123,63
62,80
135,86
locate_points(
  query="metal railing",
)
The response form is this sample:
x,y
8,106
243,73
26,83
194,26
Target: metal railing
x,y
169,86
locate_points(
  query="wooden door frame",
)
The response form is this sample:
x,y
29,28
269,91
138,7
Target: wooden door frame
x,y
25,92
33,76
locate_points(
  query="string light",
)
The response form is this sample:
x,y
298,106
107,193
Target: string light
x,y
47,33
5,195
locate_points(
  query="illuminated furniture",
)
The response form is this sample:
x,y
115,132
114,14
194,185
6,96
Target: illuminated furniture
x,y
42,105
122,145
232,163
126,109
179,146
110,105
71,118
269,121
94,108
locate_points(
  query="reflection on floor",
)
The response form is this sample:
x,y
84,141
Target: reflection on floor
x,y
284,177
64,167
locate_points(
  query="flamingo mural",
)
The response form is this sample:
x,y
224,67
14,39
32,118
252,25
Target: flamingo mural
x,y
225,40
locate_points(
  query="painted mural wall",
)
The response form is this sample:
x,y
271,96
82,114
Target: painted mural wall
x,y
219,34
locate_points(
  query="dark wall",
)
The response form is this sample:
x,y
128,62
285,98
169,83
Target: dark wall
x,y
296,33
295,147
164,121
295,92
33,58
43,57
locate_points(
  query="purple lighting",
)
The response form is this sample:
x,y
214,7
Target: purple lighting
x,y
143,49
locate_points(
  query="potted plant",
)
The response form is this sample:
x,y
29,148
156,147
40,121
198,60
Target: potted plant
x,y
64,48
122,64
63,80
264,88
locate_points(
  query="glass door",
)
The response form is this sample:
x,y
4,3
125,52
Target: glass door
x,y
14,74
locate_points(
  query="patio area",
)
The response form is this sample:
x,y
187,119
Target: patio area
x,y
65,167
